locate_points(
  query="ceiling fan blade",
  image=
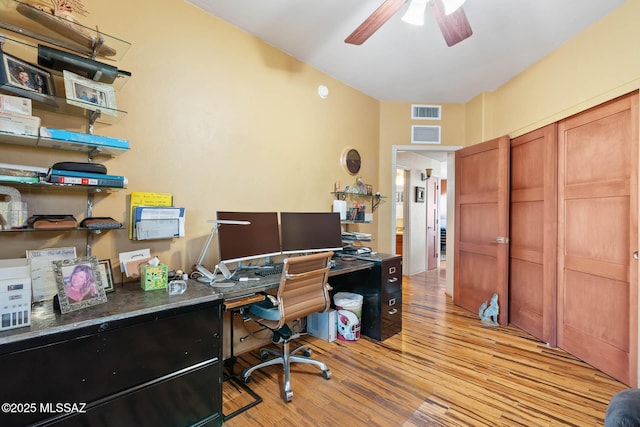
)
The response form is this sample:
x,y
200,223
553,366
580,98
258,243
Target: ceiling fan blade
x,y
454,27
375,21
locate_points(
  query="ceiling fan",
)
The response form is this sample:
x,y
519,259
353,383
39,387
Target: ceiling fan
x,y
451,19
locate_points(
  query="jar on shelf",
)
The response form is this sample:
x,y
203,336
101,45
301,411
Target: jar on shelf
x,y
359,187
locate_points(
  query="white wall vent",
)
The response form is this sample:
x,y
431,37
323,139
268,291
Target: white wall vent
x,y
426,112
425,134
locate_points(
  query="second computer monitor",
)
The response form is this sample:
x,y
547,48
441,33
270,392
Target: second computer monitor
x,y
310,232
260,238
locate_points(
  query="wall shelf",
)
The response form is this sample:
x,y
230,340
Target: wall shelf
x,y
376,199
79,38
43,142
60,230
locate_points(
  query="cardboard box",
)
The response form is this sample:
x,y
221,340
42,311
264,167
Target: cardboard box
x,y
154,277
323,325
15,104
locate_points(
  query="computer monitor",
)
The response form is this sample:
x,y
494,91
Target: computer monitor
x,y
259,239
310,232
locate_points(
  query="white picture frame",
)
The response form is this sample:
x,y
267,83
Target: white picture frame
x,y
89,94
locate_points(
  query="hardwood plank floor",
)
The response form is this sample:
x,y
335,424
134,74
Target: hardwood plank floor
x,y
444,369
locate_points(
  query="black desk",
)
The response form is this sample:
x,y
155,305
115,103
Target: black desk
x,y
378,277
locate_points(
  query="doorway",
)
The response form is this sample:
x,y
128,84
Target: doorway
x,y
401,200
444,157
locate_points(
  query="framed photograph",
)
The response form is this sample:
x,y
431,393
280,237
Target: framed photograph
x,y
24,79
79,283
420,194
104,265
88,94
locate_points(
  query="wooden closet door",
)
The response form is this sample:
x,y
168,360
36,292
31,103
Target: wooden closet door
x,y
598,234
533,230
482,226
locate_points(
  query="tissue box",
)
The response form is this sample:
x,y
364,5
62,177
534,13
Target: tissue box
x,y
154,277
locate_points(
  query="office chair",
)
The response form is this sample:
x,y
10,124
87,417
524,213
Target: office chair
x,y
303,290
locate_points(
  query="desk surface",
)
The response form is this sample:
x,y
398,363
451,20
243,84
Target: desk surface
x,y
127,301
241,289
130,300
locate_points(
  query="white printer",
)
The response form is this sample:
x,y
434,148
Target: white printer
x,y
15,293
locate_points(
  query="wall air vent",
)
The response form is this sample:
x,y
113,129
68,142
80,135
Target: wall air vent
x,y
426,112
425,134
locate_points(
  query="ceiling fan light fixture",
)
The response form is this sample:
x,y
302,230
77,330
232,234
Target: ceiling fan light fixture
x,y
415,13
451,6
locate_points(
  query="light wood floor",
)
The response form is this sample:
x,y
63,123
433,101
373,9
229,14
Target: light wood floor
x,y
444,369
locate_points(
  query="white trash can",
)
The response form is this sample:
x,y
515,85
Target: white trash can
x,y
349,315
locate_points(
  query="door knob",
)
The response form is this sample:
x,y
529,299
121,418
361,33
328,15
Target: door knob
x,y
635,255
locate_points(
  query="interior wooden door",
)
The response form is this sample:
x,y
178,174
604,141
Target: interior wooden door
x,y
482,225
598,235
432,223
533,231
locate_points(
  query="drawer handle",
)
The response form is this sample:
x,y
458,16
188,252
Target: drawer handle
x,y
392,270
392,279
393,311
392,301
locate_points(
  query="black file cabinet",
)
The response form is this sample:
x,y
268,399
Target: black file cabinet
x,y
381,288
160,366
391,298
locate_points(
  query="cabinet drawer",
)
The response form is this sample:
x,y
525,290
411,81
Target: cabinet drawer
x,y
93,365
187,399
392,275
391,314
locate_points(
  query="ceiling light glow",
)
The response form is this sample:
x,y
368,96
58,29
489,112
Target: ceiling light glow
x,y
415,12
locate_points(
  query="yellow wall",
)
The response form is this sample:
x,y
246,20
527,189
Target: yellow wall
x,y
599,64
395,130
226,122
216,117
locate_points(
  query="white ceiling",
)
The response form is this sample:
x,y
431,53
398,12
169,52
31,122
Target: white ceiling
x,y
405,63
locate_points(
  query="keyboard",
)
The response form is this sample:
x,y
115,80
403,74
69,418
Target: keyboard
x,y
263,272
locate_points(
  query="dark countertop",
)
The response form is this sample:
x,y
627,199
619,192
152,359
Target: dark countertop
x,y
130,300
127,301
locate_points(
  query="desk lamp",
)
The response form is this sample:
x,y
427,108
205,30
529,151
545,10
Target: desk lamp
x,y
207,276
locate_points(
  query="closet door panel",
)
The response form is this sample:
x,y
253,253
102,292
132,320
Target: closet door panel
x,y
597,236
533,229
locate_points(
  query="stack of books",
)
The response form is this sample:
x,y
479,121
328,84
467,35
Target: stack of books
x,y
56,176
21,174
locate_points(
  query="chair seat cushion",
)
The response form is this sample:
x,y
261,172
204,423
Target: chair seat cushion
x,y
265,310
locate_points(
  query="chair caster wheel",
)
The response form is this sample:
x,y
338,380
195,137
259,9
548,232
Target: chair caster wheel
x,y
246,380
326,374
288,396
264,355
307,352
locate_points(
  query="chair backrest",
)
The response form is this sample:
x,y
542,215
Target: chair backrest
x,y
303,286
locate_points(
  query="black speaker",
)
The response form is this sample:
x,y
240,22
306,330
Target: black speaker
x,y
60,60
